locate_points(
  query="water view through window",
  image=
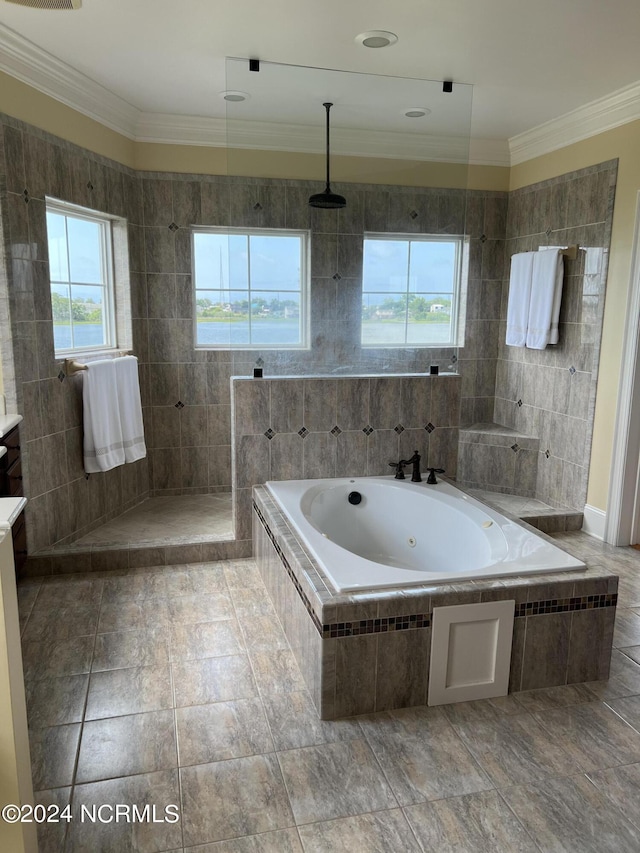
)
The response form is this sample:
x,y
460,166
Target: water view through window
x,y
249,288
410,290
79,267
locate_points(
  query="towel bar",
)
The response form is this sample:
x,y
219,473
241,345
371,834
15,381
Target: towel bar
x,y
71,366
570,252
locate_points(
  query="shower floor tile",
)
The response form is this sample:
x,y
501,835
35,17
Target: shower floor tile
x,y
183,518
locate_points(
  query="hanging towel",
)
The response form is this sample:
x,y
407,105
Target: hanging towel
x,y
130,408
519,298
593,260
103,448
546,295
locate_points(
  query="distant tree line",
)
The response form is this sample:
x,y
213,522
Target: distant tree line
x,y
240,308
82,310
418,308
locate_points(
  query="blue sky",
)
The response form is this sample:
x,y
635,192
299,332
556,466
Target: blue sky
x,y
430,264
272,262
226,260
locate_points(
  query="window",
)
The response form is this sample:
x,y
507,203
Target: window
x,y
81,275
250,288
410,290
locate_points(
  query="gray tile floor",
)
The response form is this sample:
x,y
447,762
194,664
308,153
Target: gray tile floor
x,y
174,519
154,687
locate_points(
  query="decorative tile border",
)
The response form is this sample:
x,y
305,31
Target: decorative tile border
x,y
377,626
566,605
290,571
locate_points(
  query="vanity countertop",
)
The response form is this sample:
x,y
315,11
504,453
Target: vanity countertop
x,y
8,422
10,509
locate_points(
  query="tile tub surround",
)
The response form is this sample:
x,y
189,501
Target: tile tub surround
x,y
318,427
366,652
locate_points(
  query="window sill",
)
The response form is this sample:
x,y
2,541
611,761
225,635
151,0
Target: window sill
x,y
250,347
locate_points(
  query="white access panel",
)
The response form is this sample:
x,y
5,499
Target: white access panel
x,y
470,651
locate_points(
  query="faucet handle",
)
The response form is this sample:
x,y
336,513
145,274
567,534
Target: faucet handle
x,y
431,479
399,466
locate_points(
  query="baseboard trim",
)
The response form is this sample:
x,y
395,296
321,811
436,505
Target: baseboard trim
x,y
594,521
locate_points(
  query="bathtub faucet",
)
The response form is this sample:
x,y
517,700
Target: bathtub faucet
x,y
399,466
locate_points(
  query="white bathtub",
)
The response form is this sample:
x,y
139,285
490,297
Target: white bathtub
x,y
404,534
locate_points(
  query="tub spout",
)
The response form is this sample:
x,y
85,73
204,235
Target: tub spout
x,y
415,473
415,461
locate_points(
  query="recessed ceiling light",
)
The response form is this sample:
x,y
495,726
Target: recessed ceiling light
x,y
417,112
235,97
376,38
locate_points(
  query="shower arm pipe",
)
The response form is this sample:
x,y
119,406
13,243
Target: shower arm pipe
x,y
327,107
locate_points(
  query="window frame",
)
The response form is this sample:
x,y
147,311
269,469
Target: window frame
x,y
305,301
108,273
456,295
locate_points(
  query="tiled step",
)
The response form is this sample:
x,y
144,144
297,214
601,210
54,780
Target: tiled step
x,y
536,513
559,521
492,456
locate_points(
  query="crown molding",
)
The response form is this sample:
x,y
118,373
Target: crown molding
x,y
601,115
274,136
21,59
26,62
181,130
489,152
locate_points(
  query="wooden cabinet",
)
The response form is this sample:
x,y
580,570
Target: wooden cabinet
x,y
11,486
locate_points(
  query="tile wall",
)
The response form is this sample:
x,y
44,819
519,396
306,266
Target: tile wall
x,y
289,429
62,501
186,392
550,394
485,229
498,459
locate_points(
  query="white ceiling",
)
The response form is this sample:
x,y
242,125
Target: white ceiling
x,y
528,62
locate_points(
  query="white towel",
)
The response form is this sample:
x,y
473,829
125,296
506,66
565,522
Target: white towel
x,y
519,298
546,295
130,408
103,448
593,260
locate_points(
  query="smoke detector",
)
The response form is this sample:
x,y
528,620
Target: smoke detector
x,y
48,4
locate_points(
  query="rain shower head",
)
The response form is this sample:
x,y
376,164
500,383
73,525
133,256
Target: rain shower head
x,y
327,199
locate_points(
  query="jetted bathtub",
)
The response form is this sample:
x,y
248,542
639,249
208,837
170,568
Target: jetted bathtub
x,y
372,532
